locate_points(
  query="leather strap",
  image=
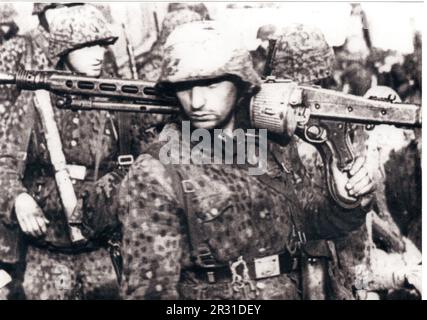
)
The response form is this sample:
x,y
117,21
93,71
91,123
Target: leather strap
x,y
22,156
200,250
124,125
184,187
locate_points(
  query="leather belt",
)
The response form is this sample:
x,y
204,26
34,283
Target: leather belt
x,y
259,268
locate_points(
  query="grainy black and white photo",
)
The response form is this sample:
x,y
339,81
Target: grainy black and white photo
x,y
210,151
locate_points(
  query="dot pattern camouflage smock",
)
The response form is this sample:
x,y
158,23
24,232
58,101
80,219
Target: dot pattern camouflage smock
x,y
246,218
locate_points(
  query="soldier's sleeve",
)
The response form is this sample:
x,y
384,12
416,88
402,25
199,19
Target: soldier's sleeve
x,y
11,58
323,217
152,241
16,119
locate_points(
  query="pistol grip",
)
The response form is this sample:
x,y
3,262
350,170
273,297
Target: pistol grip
x,y
336,191
332,140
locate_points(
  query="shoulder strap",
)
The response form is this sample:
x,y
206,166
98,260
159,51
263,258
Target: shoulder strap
x,y
278,185
22,153
200,251
184,188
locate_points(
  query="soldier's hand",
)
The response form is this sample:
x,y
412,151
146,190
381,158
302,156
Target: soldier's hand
x,y
360,183
30,217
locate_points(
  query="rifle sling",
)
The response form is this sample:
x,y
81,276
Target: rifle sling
x,y
124,125
22,156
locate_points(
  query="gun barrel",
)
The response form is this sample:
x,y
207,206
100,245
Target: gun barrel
x,y
7,78
78,104
67,83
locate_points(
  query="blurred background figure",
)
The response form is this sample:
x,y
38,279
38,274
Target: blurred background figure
x,y
29,50
265,33
148,64
8,27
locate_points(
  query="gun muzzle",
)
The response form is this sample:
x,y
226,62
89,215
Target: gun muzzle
x,y
7,78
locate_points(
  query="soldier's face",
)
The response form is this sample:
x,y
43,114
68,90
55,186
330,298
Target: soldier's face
x,y
87,60
208,105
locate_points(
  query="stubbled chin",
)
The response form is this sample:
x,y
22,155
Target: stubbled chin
x,y
93,73
205,124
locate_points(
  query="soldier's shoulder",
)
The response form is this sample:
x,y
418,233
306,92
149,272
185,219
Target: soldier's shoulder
x,y
147,162
150,170
16,44
10,51
148,178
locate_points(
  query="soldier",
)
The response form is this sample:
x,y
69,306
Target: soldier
x,y
149,66
56,269
265,33
29,51
214,231
8,27
303,55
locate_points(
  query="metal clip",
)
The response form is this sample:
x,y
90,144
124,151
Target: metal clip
x,y
211,276
238,281
125,160
296,240
301,238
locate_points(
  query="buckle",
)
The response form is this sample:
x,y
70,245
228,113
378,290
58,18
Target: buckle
x,y
5,278
76,171
301,237
188,186
267,267
125,160
205,258
211,276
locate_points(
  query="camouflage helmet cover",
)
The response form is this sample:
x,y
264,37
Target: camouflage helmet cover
x,y
176,18
302,54
210,52
78,27
266,32
39,8
175,6
7,13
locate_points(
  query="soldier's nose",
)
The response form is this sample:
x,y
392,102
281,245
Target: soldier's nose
x,y
100,51
197,98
